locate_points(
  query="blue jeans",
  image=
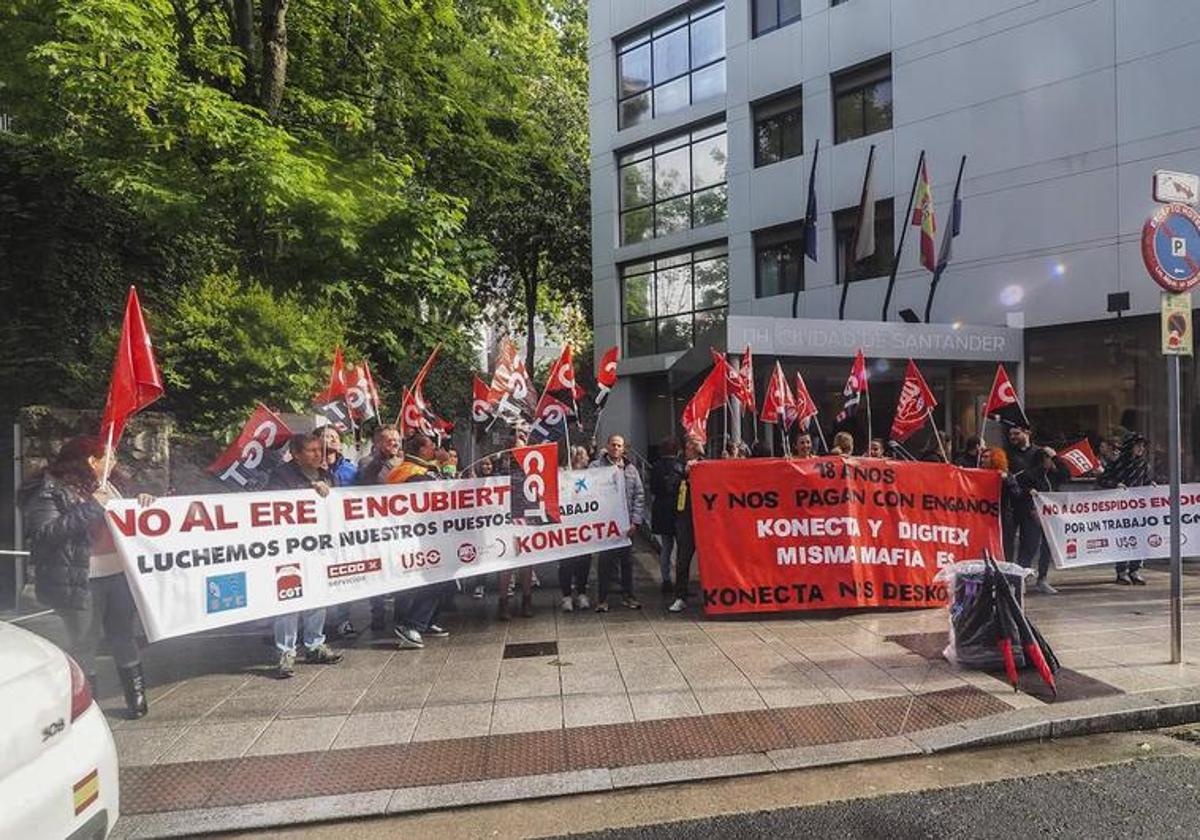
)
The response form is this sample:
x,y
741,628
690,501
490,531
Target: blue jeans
x,y
664,555
287,625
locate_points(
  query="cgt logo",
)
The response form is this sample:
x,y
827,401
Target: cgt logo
x,y
535,484
353,569
288,582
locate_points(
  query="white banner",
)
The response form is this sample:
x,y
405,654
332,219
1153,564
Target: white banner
x,y
1113,526
198,562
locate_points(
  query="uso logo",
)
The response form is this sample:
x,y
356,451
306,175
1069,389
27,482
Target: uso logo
x,y
288,582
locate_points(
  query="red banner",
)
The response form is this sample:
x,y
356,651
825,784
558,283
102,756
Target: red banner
x,y
835,533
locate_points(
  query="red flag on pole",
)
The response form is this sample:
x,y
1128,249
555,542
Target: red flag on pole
x,y
855,389
915,405
561,383
779,404
481,406
606,376
1003,404
712,393
136,381
806,406
247,462
731,382
1079,458
748,377
336,390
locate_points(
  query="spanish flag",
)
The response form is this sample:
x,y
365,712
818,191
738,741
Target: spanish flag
x,y
922,217
86,791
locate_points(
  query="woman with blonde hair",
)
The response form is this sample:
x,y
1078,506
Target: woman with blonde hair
x,y
843,444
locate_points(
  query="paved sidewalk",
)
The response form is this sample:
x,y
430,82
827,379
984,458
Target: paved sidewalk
x,y
631,697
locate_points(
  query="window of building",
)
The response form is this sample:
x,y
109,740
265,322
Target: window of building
x,y
673,185
862,100
880,263
833,3
669,66
770,15
671,303
778,129
779,261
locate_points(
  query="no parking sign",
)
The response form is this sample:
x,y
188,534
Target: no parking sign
x,y
1171,247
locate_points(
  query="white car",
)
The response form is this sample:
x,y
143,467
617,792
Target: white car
x,y
58,762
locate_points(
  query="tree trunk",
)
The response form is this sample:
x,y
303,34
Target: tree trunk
x,y
531,289
274,55
241,24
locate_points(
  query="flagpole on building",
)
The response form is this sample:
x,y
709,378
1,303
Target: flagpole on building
x,y
810,224
887,299
852,257
947,236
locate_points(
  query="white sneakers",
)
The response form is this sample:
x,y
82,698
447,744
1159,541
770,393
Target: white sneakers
x,y
579,602
583,603
678,605
567,604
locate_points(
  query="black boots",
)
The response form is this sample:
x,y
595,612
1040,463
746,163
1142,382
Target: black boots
x,y
134,684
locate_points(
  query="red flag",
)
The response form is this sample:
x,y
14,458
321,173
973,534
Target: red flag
x,y
712,393
417,416
511,391
534,485
732,384
748,376
481,407
855,389
561,382
247,461
360,393
779,404
1003,404
915,405
922,217
135,381
606,375
1079,458
336,390
806,407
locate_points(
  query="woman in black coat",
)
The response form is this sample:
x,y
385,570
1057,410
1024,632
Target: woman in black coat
x,y
79,573
1130,469
665,476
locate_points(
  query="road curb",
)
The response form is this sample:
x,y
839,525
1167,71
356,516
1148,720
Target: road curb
x,y
1148,710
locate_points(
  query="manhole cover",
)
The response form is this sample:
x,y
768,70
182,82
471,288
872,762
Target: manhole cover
x,y
522,650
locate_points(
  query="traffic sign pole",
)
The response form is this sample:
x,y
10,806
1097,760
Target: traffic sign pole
x,y
1174,457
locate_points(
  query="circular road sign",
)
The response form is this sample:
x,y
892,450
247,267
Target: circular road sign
x,y
1171,247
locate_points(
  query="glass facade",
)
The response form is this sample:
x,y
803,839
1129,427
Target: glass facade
x,y
862,100
779,261
670,303
673,185
880,263
770,15
667,67
778,129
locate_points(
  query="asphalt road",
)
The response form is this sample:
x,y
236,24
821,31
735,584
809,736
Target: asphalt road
x,y
1154,798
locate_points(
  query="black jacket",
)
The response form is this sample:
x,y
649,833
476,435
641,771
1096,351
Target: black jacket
x,y
665,476
58,527
288,476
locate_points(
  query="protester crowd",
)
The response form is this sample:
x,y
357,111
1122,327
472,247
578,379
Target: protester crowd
x,y
79,574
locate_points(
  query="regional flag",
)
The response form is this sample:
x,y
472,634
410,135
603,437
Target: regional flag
x,y
855,389
915,405
1003,404
923,217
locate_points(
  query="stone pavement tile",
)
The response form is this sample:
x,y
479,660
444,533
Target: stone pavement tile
x,y
322,703
465,720
842,753
605,746
521,678
247,707
371,728
265,778
579,627
170,787
341,678
1132,679
528,714
525,754
144,746
663,704
404,673
385,698
297,735
573,645
450,692
583,679
714,700
593,709
268,684
489,652
726,678
782,698
499,790
176,710
690,770
653,678
208,741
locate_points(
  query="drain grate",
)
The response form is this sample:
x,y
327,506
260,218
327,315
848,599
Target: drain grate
x,y
523,650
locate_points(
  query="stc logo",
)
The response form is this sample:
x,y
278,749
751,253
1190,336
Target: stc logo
x,y
288,582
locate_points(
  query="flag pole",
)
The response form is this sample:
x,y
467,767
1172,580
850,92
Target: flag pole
x,y
851,258
870,428
887,299
108,444
821,433
941,266
812,173
982,440
938,437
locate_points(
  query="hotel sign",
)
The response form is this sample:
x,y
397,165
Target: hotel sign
x,y
829,338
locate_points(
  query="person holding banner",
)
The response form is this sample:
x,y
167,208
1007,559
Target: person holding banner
x,y
876,449
685,534
803,446
385,456
665,476
995,458
635,501
305,471
79,573
1130,469
843,444
573,572
1042,476
343,471
416,609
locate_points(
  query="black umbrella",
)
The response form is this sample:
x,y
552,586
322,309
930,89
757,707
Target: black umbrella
x,y
1032,642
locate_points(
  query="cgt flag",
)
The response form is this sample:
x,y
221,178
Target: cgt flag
x,y
712,392
135,381
1079,459
779,404
550,423
855,389
806,406
734,384
1003,404
535,485
561,383
511,391
481,406
747,373
915,405
247,463
606,376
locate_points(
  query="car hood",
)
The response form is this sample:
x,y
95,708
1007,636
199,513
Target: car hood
x,y
35,694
